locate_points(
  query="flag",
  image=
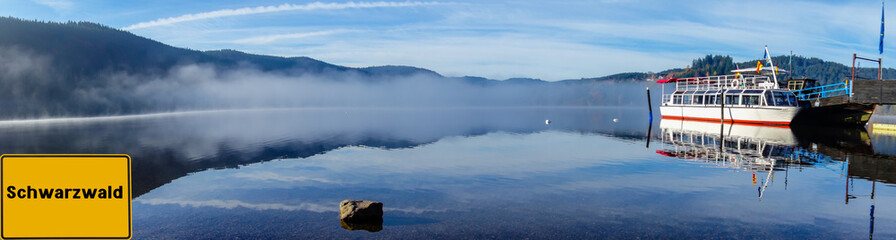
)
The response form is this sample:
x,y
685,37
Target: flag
x,y
758,66
881,47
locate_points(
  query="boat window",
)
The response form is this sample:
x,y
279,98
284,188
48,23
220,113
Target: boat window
x,y
710,99
687,99
752,100
785,99
733,92
730,144
732,99
698,99
676,99
700,92
769,100
750,145
780,99
753,91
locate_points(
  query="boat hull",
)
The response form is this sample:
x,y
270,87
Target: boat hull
x,y
758,133
759,115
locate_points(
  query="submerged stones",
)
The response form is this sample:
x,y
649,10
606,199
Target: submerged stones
x,y
361,215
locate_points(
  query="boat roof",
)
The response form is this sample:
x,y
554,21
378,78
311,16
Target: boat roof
x,y
763,70
744,71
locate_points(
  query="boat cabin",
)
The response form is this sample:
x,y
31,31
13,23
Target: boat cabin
x,y
739,90
797,84
734,97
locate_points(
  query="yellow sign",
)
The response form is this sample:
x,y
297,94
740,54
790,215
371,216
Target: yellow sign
x,y
66,196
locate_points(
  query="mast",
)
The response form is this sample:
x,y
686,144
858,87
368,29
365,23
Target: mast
x,y
772,65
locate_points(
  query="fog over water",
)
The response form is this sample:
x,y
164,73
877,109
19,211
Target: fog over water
x,y
33,88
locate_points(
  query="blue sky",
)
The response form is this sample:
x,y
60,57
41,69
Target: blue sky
x,y
551,40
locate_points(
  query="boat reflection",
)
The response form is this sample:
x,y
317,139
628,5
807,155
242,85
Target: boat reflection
x,y
859,154
748,147
760,149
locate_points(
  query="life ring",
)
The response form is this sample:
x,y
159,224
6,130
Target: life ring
x,y
734,82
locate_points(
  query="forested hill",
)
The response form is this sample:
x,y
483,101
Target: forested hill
x,y
803,67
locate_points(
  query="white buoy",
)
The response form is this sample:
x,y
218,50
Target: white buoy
x,y
615,120
546,122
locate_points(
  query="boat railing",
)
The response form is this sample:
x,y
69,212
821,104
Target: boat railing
x,y
724,82
720,82
825,91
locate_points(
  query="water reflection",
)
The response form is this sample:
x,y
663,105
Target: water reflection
x,y
165,147
367,226
769,149
484,173
731,145
757,147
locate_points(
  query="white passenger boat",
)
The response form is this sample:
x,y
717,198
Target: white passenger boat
x,y
749,98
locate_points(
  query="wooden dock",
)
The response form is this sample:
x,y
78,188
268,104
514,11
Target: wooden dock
x,y
874,91
850,110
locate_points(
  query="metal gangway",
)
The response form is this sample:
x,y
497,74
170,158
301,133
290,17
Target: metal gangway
x,y
837,89
825,91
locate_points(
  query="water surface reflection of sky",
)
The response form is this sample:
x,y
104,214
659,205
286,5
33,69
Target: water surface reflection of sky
x,y
537,183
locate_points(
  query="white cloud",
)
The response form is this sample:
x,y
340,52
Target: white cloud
x,y
271,176
276,37
231,204
269,9
57,5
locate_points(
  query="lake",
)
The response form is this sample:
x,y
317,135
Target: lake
x,y
592,173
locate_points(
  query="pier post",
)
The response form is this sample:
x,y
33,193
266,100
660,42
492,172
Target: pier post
x,y
650,122
722,101
649,106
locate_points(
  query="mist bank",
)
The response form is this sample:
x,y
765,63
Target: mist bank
x,y
80,69
33,88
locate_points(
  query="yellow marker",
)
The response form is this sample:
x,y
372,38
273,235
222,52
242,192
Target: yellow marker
x,y
883,126
66,196
754,179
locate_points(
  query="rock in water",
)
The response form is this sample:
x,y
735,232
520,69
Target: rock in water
x,y
358,211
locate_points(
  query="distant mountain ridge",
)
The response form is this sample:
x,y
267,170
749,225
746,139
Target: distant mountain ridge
x,y
89,48
51,69
803,67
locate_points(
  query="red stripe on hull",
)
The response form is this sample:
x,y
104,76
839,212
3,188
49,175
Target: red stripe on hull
x,y
734,121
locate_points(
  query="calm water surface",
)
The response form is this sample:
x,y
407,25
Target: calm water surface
x,y
600,172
